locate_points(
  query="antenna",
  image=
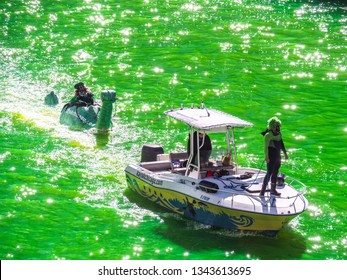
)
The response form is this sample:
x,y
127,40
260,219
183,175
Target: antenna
x,y
203,107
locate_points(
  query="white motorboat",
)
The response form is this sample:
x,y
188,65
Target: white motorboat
x,y
217,193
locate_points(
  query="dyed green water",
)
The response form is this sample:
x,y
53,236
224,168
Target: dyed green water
x,y
63,193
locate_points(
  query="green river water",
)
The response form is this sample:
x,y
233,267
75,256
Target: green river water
x,y
63,193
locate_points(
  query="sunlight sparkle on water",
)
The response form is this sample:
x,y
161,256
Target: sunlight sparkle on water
x,y
130,223
239,26
293,107
158,70
169,249
126,31
226,47
137,250
81,55
183,32
29,28
99,19
174,80
191,7
49,200
314,210
27,191
299,137
145,108
332,76
315,238
227,254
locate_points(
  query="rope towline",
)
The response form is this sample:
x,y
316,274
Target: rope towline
x,y
257,174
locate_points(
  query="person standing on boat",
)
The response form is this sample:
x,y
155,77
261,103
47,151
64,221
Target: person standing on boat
x,y
83,94
205,149
273,144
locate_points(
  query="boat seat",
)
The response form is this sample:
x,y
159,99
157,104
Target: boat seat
x,y
156,165
163,157
177,160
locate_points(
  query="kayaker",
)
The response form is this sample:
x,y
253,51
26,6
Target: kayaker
x,y
83,94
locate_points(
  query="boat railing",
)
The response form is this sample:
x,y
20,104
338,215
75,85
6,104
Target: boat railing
x,y
303,188
294,183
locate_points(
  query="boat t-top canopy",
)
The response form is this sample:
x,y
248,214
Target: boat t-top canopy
x,y
206,121
209,120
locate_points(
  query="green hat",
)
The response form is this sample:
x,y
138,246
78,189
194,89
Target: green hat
x,y
273,122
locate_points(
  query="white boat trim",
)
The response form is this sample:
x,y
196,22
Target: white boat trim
x,y
209,120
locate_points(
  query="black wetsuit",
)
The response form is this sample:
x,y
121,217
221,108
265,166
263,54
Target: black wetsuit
x,y
205,150
273,146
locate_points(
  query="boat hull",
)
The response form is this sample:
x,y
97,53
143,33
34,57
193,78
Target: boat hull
x,y
207,213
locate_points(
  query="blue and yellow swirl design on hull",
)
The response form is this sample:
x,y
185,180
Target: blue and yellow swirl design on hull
x,y
150,192
203,212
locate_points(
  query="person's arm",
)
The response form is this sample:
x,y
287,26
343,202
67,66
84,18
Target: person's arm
x,y
207,144
74,99
89,93
283,148
267,139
